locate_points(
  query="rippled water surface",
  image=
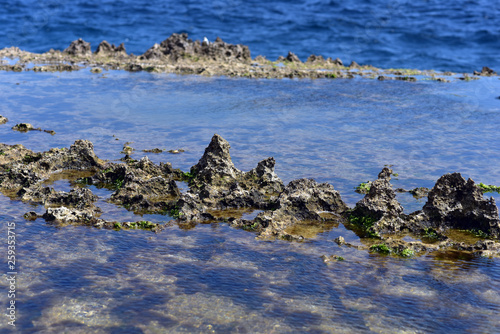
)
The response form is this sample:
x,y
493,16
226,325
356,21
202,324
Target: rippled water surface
x,y
213,278
459,35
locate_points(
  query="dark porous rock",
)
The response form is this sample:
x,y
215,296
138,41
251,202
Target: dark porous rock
x,y
154,52
485,71
3,119
25,168
264,178
141,185
336,61
79,198
354,64
292,57
313,59
220,50
35,194
379,211
153,150
179,46
302,199
456,203
31,215
133,67
486,248
215,166
78,48
220,184
105,49
17,177
419,192
23,127
189,208
145,194
63,214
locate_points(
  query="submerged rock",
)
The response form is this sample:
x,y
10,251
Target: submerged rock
x,y
456,203
23,127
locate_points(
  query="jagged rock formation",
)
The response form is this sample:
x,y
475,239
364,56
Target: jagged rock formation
x,y
456,203
217,186
179,46
379,211
302,199
106,49
78,48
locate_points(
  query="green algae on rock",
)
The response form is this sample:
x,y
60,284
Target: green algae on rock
x,y
180,55
219,192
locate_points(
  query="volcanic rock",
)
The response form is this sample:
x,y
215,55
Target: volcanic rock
x,y
78,48
454,202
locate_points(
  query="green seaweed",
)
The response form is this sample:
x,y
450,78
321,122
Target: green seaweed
x,y
175,213
365,223
430,233
187,176
479,233
119,182
364,187
117,226
380,248
489,188
407,252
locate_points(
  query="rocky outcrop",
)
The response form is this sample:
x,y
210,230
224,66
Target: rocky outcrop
x,y
139,186
3,119
379,211
179,46
458,203
215,166
219,184
78,48
302,199
218,191
485,71
25,168
106,49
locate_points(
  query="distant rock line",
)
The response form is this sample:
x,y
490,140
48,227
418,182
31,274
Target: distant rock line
x,y
219,192
181,55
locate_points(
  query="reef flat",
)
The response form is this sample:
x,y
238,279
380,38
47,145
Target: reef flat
x,y
219,192
180,55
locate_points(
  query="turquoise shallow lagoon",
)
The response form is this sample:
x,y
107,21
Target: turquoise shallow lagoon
x,y
213,278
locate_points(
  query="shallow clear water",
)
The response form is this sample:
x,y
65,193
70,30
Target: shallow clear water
x,y
213,277
426,34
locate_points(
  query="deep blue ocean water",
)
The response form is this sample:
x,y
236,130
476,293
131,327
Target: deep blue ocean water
x,y
461,35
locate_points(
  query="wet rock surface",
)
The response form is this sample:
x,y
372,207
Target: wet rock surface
x,y
218,191
78,48
179,46
458,203
25,127
180,55
3,119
